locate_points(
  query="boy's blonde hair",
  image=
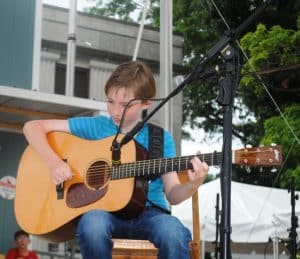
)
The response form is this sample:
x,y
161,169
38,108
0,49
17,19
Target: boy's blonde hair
x,y
135,75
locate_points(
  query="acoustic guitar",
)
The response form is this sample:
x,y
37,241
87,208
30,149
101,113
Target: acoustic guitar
x,y
52,212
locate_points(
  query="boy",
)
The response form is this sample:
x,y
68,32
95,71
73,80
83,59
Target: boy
x,y
96,228
21,250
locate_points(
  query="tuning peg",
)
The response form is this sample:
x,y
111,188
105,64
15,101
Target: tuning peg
x,y
248,146
273,144
261,145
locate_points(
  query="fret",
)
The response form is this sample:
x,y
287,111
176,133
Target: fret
x,y
146,168
112,174
159,166
186,162
121,170
149,168
118,172
128,170
142,172
166,165
139,168
124,172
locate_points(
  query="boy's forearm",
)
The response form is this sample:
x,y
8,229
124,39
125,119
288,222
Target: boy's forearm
x,y
181,192
37,139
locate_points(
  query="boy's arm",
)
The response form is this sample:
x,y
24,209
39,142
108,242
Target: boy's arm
x,y
36,135
177,192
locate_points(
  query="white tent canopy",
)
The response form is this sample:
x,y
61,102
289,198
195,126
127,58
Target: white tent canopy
x,y
257,213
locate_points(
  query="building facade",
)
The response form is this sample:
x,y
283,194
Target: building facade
x,y
101,44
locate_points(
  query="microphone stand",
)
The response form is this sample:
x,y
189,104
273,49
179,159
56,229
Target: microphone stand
x,y
225,98
294,222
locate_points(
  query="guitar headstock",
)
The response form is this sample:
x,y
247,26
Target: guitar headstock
x,y
258,156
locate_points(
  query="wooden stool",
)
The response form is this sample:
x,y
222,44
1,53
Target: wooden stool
x,y
138,249
134,249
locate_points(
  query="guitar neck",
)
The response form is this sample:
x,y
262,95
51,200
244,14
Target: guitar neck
x,y
157,167
256,156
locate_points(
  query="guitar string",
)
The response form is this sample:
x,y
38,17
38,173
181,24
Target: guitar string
x,y
131,168
151,164
168,160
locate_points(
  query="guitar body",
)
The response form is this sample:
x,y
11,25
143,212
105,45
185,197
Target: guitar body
x,y
52,212
42,210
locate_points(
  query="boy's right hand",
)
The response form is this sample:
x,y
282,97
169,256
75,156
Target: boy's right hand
x,y
60,172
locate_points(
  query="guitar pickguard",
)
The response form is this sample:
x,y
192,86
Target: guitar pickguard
x,y
79,195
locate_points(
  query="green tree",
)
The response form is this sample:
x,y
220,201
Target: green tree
x,y
269,48
277,130
203,28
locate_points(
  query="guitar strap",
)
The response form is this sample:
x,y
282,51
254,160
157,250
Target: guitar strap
x,y
156,141
155,150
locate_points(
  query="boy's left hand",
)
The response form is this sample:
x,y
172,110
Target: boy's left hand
x,y
199,172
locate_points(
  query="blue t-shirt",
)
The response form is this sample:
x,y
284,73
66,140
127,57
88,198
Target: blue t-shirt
x,y
99,127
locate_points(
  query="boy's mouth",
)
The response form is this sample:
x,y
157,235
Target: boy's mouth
x,y
117,121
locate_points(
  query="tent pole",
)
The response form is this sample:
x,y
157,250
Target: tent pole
x,y
71,49
275,247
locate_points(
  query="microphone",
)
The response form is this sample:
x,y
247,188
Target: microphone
x,y
116,146
116,152
129,135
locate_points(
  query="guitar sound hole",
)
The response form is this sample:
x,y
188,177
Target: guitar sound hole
x,y
97,175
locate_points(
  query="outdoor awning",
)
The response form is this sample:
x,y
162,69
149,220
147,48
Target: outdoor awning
x,y
20,105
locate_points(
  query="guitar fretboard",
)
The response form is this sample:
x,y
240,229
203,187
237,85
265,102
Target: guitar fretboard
x,y
157,167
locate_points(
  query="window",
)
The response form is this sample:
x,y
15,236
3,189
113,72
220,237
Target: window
x,y
81,88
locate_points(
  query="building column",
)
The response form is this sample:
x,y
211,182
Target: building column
x,y
99,73
166,60
47,72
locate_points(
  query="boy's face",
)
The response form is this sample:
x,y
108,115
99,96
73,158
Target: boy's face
x,y
117,98
22,242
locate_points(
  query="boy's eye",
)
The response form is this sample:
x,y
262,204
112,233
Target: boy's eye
x,y
126,105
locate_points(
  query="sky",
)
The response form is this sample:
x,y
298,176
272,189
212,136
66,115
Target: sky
x,y
65,3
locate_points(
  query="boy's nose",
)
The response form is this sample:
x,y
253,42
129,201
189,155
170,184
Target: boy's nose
x,y
118,110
